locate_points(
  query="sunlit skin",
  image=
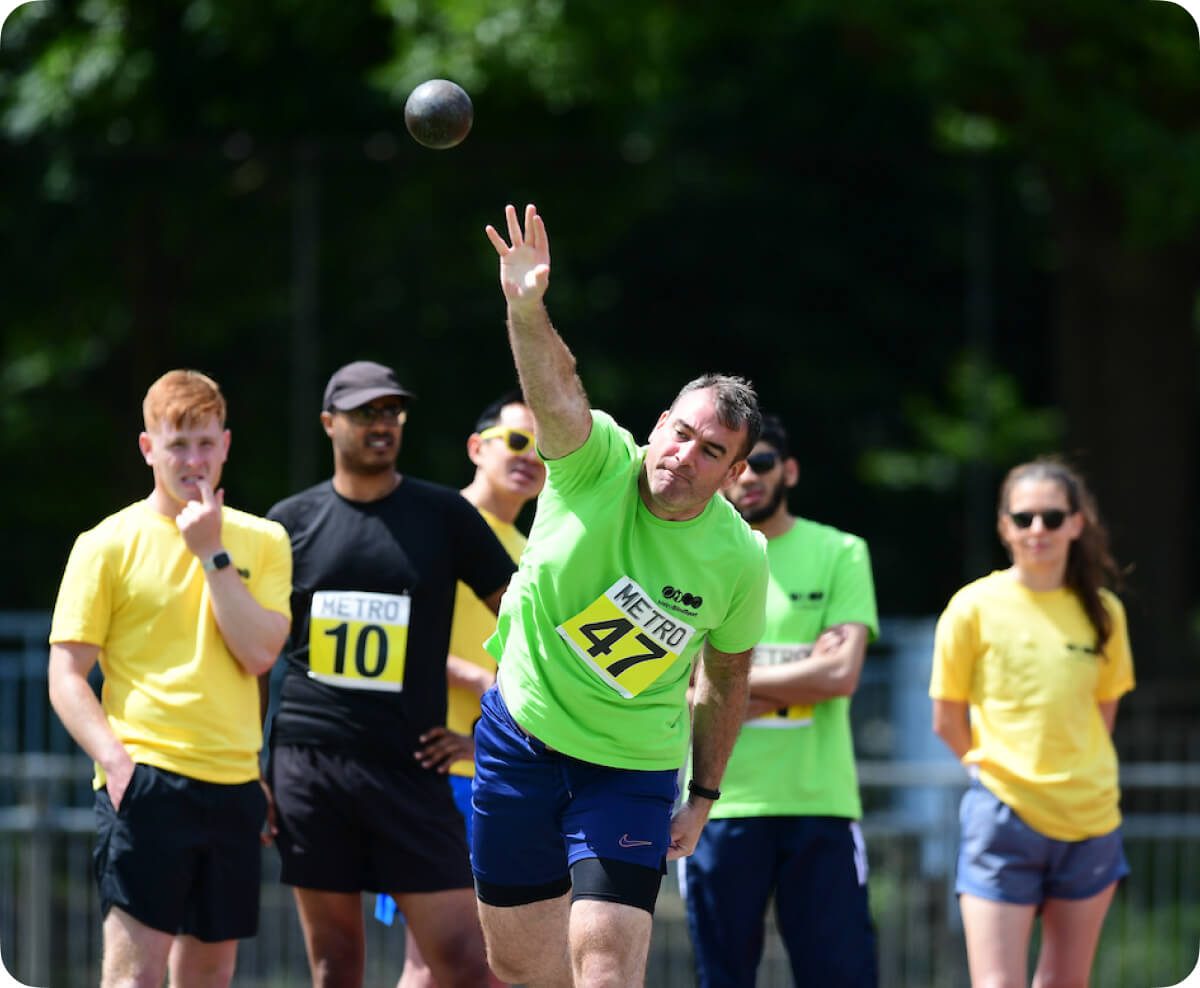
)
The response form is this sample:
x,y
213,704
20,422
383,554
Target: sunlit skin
x,y
181,459
690,457
1039,554
762,498
365,449
510,477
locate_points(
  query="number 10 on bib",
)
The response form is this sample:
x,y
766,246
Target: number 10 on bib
x,y
358,640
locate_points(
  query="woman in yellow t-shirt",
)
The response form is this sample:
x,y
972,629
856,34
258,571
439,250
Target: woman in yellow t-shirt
x,y
1029,665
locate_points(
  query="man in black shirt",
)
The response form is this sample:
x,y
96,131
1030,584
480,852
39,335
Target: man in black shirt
x,y
376,557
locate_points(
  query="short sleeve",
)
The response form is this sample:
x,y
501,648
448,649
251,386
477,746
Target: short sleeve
x,y
272,587
743,626
852,595
606,446
955,651
84,604
1116,665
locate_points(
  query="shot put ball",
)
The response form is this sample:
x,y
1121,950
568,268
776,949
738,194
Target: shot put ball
x,y
438,114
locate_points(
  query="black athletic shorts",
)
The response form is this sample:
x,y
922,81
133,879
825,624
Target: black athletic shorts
x,y
181,855
349,824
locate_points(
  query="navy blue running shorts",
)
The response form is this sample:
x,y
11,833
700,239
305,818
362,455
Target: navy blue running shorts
x,y
538,814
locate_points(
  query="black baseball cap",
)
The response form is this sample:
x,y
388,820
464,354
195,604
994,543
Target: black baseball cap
x,y
360,382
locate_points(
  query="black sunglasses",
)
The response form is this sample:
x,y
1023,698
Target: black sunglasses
x,y
762,462
370,414
1052,519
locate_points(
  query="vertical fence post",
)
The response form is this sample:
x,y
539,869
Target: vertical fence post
x,y
35,870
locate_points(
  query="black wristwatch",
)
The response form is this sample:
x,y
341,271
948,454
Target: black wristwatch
x,y
713,794
218,560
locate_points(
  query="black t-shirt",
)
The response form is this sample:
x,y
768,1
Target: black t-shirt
x,y
374,584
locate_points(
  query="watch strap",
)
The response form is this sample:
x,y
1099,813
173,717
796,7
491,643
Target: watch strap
x,y
703,791
218,560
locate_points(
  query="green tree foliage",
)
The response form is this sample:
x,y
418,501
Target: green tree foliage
x,y
839,201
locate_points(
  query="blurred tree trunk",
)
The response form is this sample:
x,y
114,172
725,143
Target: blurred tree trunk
x,y
1127,349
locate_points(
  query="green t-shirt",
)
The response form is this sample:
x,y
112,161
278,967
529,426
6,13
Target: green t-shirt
x,y
800,761
599,628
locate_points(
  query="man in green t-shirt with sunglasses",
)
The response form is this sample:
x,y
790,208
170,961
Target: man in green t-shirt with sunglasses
x,y
787,822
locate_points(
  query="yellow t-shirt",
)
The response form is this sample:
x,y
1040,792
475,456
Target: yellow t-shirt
x,y
473,625
173,692
1026,663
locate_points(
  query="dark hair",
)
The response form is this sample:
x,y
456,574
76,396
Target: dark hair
x,y
1090,564
773,432
491,414
736,405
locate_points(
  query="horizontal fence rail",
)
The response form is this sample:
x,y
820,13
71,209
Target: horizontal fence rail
x,y
49,914
50,923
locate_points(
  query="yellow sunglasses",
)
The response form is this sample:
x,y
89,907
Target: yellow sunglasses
x,y
517,440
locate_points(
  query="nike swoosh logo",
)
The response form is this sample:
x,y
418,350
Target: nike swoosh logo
x,y
626,842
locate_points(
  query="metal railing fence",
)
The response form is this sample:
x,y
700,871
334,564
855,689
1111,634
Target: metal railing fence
x,y
50,924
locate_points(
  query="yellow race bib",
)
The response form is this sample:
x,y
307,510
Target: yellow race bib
x,y
358,640
625,638
798,714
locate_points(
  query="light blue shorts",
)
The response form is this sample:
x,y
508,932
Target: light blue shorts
x,y
1002,858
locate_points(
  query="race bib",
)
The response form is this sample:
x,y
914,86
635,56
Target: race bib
x,y
625,638
358,640
797,715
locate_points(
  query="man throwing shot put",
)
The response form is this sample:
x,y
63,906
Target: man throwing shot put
x,y
377,558
633,570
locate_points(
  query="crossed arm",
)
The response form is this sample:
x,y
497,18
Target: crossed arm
x,y
831,668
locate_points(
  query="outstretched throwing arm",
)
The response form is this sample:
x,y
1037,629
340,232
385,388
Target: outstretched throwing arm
x,y
561,413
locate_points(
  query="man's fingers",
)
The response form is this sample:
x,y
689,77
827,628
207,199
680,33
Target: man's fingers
x,y
206,491
498,241
531,218
541,239
514,226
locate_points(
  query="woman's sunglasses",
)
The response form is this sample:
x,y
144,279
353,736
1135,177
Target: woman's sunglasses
x,y
1052,519
517,440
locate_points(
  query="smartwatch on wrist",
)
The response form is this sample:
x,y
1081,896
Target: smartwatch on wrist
x,y
218,560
